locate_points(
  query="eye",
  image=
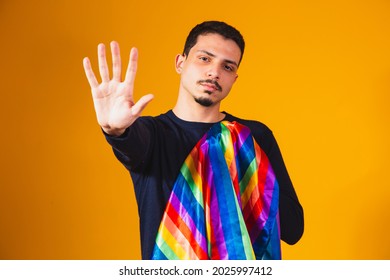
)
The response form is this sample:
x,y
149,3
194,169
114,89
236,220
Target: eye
x,y
229,68
204,58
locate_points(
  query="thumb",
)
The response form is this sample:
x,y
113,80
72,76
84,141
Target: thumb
x,y
141,104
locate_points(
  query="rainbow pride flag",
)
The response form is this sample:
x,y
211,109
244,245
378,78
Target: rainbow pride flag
x,y
224,203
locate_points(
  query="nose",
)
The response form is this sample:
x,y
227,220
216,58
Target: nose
x,y
213,72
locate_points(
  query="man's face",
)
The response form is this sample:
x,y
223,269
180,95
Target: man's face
x,y
210,69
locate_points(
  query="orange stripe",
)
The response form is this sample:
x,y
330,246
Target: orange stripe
x,y
185,245
185,230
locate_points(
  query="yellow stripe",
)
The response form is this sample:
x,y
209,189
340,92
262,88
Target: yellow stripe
x,y
228,144
208,228
178,235
191,172
171,241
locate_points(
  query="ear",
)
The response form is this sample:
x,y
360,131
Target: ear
x,y
179,60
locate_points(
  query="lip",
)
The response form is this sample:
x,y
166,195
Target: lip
x,y
209,86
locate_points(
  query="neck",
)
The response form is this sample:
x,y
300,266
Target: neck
x,y
195,112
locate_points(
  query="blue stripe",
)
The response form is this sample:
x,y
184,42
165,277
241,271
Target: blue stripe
x,y
158,254
226,201
244,157
272,248
183,191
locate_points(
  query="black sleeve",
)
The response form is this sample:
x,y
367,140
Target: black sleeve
x,y
133,147
290,209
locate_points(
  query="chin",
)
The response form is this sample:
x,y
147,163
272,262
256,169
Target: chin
x,y
206,102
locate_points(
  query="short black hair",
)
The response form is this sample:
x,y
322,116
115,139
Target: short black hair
x,y
214,27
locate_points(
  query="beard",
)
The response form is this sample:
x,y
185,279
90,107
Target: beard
x,y
206,102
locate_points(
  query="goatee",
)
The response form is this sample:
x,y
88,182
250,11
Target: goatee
x,y
206,102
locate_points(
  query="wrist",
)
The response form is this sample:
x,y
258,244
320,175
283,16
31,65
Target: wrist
x,y
113,131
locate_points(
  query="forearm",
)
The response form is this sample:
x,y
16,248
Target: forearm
x,y
291,219
290,209
132,146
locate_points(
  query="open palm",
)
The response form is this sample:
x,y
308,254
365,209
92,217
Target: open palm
x,y
113,98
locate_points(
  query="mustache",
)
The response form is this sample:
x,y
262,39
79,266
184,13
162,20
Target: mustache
x,y
209,81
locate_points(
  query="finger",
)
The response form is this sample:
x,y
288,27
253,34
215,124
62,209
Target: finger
x,y
141,104
89,73
103,68
116,61
132,67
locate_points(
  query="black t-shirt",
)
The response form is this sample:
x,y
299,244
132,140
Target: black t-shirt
x,y
153,149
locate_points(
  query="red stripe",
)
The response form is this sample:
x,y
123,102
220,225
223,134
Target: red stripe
x,y
214,248
185,230
255,212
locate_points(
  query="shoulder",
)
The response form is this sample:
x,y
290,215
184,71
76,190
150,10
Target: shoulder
x,y
169,125
260,131
154,121
257,128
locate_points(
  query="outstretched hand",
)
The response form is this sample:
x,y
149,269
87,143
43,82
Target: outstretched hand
x,y
113,98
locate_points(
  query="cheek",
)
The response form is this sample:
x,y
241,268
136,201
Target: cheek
x,y
190,72
229,82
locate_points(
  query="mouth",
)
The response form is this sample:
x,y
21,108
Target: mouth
x,y
210,85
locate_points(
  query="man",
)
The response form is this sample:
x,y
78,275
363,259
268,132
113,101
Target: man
x,y
208,185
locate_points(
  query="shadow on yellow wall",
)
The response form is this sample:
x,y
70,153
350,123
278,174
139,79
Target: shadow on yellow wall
x,y
316,73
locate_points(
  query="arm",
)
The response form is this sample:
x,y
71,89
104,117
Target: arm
x,y
133,147
290,209
113,99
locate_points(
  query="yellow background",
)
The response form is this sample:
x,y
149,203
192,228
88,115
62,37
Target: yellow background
x,y
316,72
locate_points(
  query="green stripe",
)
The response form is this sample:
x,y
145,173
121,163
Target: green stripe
x,y
246,240
164,247
225,137
185,171
248,175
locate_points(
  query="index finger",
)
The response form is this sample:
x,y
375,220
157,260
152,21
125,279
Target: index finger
x,y
132,67
89,73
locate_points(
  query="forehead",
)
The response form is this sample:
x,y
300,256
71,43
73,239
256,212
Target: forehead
x,y
219,46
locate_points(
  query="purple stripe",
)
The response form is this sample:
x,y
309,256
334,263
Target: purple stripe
x,y
215,217
266,199
216,224
241,138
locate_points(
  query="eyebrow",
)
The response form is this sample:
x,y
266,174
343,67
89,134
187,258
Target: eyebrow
x,y
213,55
